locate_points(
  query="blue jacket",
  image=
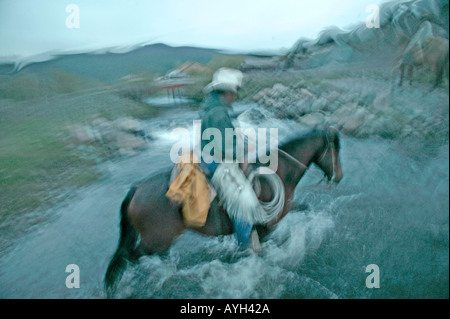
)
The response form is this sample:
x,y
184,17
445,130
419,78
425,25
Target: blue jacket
x,y
214,114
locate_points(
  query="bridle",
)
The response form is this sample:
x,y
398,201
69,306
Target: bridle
x,y
333,158
321,157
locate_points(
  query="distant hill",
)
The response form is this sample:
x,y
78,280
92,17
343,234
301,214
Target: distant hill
x,y
154,59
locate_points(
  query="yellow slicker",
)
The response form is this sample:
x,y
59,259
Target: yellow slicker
x,y
191,189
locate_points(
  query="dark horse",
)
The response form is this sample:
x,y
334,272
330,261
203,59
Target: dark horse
x,y
147,212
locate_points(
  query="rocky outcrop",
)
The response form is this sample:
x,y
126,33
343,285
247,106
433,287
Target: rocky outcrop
x,y
370,113
262,64
124,136
285,102
254,115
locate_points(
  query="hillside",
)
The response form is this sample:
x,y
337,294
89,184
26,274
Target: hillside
x,y
400,23
154,59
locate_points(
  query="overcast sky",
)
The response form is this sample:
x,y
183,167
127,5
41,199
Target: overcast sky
x,y
30,27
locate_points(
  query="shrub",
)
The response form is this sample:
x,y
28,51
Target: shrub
x,y
64,82
21,87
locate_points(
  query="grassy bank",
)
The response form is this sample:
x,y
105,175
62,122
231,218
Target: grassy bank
x,y
37,166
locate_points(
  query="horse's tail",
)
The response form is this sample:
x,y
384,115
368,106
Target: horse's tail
x,y
125,249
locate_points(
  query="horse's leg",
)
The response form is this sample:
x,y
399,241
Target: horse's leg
x,y
402,73
439,75
410,73
264,231
156,242
126,248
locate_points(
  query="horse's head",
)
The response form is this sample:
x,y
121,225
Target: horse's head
x,y
328,159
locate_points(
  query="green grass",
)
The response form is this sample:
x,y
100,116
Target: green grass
x,y
34,160
37,165
29,85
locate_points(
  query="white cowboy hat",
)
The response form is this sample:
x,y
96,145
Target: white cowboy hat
x,y
225,79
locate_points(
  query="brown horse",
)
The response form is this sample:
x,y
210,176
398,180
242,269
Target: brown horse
x,y
147,212
432,54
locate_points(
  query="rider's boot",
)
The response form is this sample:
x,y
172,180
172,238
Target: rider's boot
x,y
255,244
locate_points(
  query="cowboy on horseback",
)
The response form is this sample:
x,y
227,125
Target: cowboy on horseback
x,y
223,169
150,221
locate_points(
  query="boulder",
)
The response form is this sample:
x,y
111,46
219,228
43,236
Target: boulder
x,y
279,90
382,101
354,121
333,100
124,135
305,93
128,143
341,115
331,96
130,125
312,119
253,115
350,118
82,134
106,131
302,106
258,97
320,104
100,122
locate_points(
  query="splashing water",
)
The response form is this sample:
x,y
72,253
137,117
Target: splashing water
x,y
391,209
